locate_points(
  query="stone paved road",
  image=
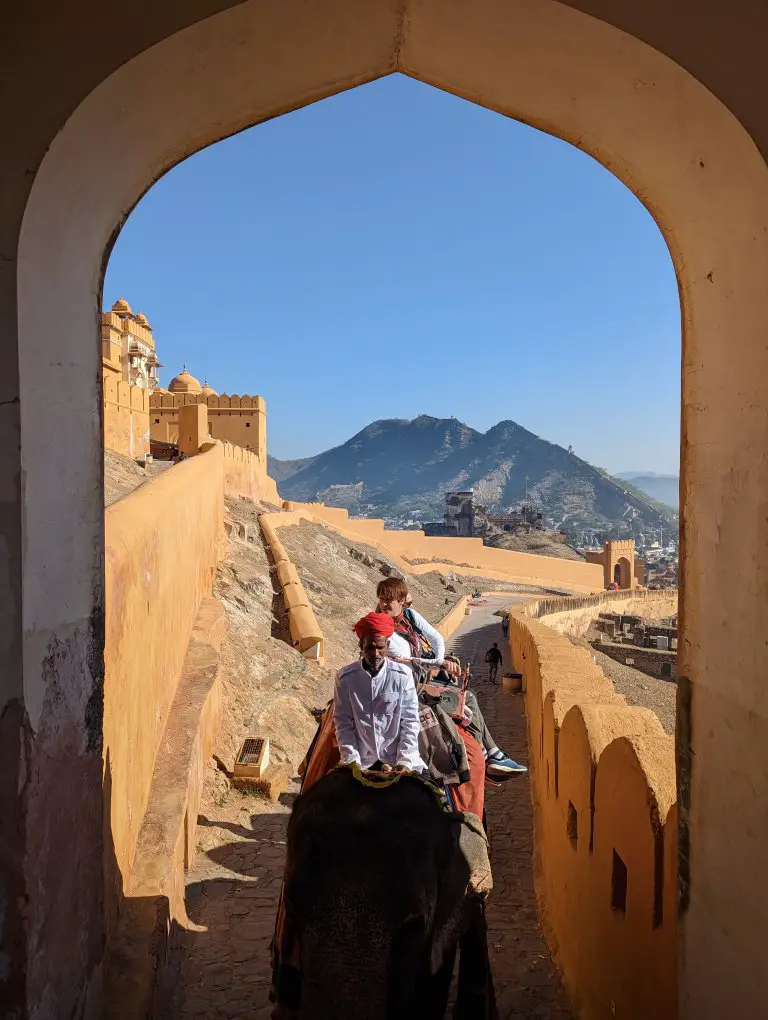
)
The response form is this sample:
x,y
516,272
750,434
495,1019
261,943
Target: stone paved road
x,y
527,984
222,971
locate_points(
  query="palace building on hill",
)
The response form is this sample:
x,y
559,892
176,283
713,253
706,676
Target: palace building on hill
x,y
240,420
136,408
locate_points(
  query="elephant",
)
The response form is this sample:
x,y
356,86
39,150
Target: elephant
x,y
377,898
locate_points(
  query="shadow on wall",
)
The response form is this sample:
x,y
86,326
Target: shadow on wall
x,y
603,787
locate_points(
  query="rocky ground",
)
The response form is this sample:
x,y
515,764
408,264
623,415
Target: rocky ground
x,y
122,475
637,687
641,689
340,578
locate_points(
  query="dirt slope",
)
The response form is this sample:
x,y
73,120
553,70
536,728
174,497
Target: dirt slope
x,y
122,475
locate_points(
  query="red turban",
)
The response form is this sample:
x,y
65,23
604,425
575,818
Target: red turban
x,y
375,625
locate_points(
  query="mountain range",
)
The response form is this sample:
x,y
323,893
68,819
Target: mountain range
x,y
664,488
397,468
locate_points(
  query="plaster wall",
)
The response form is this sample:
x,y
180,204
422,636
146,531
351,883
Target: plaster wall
x,y
245,474
126,417
603,787
573,616
467,555
162,544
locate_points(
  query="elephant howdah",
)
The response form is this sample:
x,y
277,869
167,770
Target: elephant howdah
x,y
382,885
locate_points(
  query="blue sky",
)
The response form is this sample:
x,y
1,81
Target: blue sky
x,y
396,251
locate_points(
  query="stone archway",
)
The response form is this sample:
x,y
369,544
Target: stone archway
x,y
622,573
131,105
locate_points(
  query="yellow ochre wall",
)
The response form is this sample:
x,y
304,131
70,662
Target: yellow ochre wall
x,y
162,545
163,542
603,786
126,417
460,555
235,419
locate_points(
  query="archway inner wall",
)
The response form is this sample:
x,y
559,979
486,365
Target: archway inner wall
x,y
645,118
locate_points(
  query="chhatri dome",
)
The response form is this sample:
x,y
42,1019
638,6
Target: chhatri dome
x,y
122,307
184,383
208,391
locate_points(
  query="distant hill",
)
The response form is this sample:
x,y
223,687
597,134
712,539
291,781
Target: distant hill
x,y
664,488
396,468
280,469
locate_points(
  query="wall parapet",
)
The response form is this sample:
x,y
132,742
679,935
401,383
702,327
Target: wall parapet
x,y
305,630
245,474
457,555
603,786
547,606
161,551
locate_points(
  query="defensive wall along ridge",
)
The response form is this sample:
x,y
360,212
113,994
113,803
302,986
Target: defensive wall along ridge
x,y
466,556
306,633
605,816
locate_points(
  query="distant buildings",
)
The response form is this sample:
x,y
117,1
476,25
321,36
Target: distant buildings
x,y
459,517
138,410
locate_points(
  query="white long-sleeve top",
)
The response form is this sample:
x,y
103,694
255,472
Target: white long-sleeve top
x,y
377,717
397,645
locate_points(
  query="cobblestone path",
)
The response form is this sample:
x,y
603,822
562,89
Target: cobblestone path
x,y
527,984
221,972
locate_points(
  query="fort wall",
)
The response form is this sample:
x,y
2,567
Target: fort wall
x,y
245,474
126,417
240,420
162,545
603,789
459,555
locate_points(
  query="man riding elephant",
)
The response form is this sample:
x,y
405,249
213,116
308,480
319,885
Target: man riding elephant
x,y
406,645
381,886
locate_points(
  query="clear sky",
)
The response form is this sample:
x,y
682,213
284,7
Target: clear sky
x,y
396,251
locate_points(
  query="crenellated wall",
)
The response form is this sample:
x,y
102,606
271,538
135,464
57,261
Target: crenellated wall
x,y
126,417
241,420
603,789
245,474
458,555
305,630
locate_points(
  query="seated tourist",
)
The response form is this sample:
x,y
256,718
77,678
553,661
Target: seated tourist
x,y
406,645
375,708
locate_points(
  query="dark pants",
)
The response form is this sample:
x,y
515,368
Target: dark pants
x,y
477,727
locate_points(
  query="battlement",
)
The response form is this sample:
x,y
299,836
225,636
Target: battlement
x,y
619,545
172,401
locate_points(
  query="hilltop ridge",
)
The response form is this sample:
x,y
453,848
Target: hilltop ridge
x,y
395,467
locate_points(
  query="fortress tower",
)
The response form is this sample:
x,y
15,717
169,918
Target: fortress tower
x,y
129,369
137,408
240,420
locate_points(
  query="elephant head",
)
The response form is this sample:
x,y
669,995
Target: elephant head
x,y
376,892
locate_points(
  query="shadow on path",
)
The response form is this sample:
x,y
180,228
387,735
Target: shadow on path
x,y
527,983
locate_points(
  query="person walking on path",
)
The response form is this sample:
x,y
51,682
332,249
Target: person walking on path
x,y
494,659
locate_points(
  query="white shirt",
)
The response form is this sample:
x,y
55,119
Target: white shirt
x,y
377,717
397,645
